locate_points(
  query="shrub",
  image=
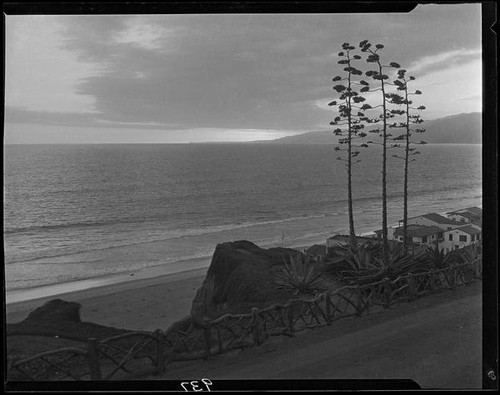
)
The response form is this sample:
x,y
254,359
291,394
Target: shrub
x,y
367,264
300,274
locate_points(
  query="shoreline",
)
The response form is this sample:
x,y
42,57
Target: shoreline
x,y
21,295
148,299
139,304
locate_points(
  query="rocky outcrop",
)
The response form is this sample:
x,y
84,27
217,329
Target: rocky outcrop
x,y
56,310
62,319
240,277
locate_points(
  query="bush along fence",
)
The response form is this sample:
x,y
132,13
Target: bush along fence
x,y
124,355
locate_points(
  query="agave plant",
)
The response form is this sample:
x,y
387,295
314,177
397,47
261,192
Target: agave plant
x,y
470,253
367,264
348,262
356,259
473,254
441,259
300,274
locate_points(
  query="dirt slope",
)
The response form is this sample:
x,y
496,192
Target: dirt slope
x,y
435,340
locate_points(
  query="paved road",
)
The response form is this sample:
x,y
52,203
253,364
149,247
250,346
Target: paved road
x,y
435,341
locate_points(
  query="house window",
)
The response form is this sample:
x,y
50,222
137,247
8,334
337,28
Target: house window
x,y
424,239
401,238
462,238
450,237
448,228
472,237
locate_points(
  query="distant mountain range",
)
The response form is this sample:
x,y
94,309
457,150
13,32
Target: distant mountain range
x,y
455,129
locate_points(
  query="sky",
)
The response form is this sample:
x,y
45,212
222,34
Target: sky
x,y
219,77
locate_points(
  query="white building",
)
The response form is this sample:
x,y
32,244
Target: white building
x,y
390,233
460,237
420,235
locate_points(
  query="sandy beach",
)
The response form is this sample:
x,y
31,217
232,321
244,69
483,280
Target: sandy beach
x,y
146,300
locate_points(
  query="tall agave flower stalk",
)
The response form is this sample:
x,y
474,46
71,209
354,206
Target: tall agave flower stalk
x,y
379,75
410,119
350,117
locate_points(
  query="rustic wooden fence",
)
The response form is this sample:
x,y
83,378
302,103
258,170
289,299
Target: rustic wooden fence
x,y
127,353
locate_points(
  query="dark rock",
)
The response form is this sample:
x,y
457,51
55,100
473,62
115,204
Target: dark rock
x,y
317,250
56,310
240,277
60,318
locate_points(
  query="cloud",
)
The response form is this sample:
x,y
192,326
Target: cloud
x,y
142,34
459,89
19,133
23,115
79,119
39,75
444,60
235,71
475,97
219,78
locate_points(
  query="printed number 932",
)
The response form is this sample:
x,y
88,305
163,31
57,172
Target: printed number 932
x,y
196,385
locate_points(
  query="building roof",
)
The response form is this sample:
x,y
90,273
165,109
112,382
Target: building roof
x,y
418,230
347,237
473,210
469,215
439,219
478,222
469,229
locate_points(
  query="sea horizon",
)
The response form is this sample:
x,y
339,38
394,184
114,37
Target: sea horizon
x,y
74,212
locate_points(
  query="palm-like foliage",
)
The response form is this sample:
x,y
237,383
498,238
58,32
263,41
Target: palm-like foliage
x,y
473,254
346,257
441,259
300,274
470,253
367,263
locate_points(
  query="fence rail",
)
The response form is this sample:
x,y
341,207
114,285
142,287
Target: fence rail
x,y
126,353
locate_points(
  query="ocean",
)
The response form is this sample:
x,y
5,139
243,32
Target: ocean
x,y
74,212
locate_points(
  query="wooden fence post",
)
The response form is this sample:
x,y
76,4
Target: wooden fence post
x,y
93,358
255,326
10,364
289,316
359,305
208,339
411,286
160,360
433,280
479,268
328,308
450,276
387,293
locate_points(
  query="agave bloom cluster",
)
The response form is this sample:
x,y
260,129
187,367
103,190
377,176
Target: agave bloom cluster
x,y
350,118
